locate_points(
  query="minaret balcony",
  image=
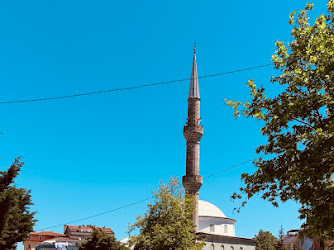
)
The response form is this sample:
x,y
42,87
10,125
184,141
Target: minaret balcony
x,y
192,183
193,133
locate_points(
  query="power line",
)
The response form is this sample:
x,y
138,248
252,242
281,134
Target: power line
x,y
129,88
95,215
148,198
226,169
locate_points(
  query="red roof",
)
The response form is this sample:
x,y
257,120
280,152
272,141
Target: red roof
x,y
47,233
36,237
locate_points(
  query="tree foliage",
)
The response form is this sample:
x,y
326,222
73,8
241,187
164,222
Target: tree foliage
x,y
298,124
265,241
100,240
16,221
167,223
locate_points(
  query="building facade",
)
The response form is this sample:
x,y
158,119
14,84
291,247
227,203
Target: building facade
x,y
83,232
37,238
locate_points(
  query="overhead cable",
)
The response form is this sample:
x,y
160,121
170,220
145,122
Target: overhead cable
x,y
128,88
95,215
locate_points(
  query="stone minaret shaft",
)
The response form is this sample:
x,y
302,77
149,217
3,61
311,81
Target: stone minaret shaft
x,y
193,132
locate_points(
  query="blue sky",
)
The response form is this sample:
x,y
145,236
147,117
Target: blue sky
x,y
87,155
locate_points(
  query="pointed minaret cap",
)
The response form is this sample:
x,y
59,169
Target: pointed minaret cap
x,y
194,89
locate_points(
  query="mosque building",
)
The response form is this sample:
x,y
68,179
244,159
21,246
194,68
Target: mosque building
x,y
209,220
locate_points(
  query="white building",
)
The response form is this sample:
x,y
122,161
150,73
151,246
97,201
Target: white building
x,y
218,230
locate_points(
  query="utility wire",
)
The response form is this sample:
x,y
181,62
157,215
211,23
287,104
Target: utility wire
x,y
148,198
226,169
95,215
129,88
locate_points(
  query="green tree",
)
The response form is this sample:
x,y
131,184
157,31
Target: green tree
x,y
167,223
16,221
265,241
298,124
100,240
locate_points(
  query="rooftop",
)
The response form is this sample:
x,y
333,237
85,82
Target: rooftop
x,y
48,233
207,209
87,228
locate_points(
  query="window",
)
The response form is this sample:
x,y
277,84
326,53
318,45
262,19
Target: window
x,y
240,248
212,247
225,229
40,237
232,248
222,247
212,228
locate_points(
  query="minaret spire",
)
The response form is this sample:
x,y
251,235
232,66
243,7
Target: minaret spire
x,y
193,132
194,89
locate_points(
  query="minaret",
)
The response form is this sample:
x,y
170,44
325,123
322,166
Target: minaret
x,y
193,132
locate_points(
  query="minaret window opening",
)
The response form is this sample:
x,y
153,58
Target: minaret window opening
x,y
225,229
212,247
212,228
222,247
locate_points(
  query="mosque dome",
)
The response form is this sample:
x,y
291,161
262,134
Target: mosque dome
x,y
207,209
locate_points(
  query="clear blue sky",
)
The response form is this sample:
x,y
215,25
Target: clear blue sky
x,y
90,154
